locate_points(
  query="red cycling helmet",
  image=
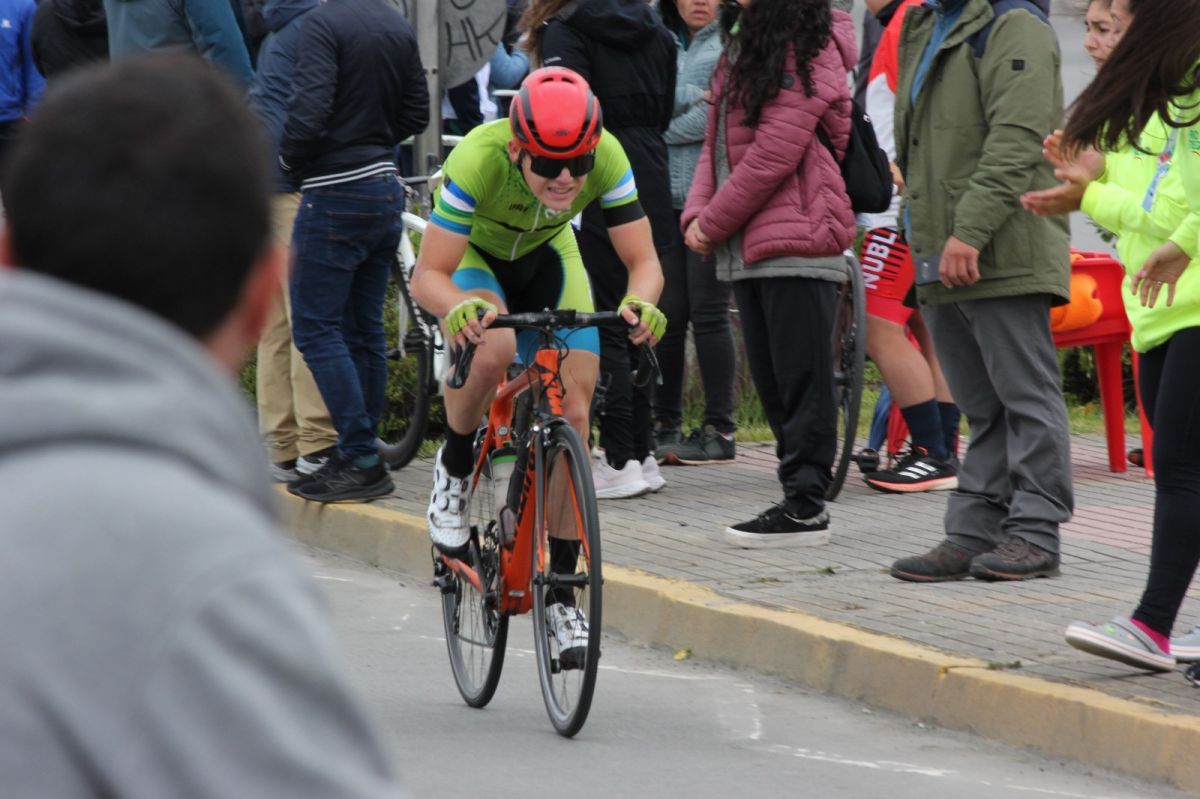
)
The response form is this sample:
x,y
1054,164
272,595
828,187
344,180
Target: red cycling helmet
x,y
555,114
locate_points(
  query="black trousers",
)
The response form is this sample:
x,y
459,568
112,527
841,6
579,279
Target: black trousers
x,y
692,293
625,418
1170,387
787,323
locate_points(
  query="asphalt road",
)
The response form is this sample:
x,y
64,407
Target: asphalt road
x,y
659,727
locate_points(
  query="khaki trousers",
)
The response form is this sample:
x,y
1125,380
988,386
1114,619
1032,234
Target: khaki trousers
x,y
291,414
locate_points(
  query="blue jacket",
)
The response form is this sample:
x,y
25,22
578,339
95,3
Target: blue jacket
x,y
21,85
271,91
207,26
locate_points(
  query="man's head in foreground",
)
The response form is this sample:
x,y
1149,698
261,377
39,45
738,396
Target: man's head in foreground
x,y
148,181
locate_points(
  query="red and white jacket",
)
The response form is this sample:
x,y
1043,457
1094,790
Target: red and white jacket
x,y
881,102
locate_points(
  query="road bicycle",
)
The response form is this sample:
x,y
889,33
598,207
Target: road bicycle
x,y
416,350
516,506
849,360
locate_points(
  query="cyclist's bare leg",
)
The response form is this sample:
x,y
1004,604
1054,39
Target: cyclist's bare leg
x,y
904,369
466,406
579,372
921,334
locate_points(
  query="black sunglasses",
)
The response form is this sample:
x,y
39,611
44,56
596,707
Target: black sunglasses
x,y
551,168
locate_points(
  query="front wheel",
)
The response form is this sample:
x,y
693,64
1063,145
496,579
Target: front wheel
x,y
567,580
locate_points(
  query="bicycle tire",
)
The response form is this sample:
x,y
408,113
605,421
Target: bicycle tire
x,y
477,658
410,356
849,362
568,692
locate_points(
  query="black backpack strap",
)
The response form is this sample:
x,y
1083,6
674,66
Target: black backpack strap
x,y
824,137
979,39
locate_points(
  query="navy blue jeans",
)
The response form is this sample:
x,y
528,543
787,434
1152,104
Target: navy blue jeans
x,y
343,244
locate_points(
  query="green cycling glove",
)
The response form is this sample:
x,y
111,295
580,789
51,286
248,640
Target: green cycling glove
x,y
465,312
655,320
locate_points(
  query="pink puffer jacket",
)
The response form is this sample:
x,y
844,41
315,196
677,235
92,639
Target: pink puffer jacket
x,y
785,191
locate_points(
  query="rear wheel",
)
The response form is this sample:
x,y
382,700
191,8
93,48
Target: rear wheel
x,y
849,360
476,632
568,573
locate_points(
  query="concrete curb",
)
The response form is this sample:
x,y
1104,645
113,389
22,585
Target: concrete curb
x,y
922,683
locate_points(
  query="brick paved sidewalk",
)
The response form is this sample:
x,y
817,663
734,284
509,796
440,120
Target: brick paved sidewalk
x,y
675,534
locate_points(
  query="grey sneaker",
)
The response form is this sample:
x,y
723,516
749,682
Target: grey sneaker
x,y
946,561
704,446
1186,648
1015,559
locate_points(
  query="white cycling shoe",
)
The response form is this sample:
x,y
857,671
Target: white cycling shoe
x,y
569,629
448,521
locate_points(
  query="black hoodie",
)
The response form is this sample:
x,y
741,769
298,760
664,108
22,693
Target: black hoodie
x,y
627,55
68,33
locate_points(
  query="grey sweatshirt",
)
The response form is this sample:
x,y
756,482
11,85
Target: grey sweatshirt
x,y
160,640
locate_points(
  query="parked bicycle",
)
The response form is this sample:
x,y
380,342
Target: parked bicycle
x,y
416,351
516,508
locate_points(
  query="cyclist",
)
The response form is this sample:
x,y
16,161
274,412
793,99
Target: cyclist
x,y
500,240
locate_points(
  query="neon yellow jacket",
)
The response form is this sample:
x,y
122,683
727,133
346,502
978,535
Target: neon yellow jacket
x,y
1115,202
1187,161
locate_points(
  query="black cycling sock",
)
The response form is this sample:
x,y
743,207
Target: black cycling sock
x,y
457,452
925,427
951,416
564,556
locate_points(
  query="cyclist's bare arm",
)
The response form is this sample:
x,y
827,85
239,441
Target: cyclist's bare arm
x,y
432,287
635,246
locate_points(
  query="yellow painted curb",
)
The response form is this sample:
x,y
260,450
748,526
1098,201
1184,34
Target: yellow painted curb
x,y
954,692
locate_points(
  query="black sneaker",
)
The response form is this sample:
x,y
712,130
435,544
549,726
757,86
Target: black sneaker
x,y
310,463
331,462
1015,559
703,446
776,527
946,561
343,482
916,471
284,471
666,440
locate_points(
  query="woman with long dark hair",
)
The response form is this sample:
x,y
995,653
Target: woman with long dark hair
x,y
769,201
1142,103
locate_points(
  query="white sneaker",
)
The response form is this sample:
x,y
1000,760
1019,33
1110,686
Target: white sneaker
x,y
449,525
618,484
1186,648
569,628
653,475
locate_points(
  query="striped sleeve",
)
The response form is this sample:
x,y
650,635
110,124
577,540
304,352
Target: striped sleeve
x,y
623,192
454,209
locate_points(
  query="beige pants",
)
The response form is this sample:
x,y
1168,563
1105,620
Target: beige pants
x,y
291,414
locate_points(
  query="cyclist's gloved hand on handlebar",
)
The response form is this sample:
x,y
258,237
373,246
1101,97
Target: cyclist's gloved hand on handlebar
x,y
652,319
465,323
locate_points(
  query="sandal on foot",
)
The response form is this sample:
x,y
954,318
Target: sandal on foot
x,y
1121,640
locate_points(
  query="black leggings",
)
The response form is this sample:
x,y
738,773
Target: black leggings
x,y
692,293
1170,388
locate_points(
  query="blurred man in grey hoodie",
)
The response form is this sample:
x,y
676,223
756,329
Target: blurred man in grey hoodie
x,y
160,639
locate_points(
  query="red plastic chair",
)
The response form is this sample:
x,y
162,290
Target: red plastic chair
x,y
1107,337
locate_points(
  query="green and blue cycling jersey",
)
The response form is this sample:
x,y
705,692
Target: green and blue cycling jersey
x,y
518,248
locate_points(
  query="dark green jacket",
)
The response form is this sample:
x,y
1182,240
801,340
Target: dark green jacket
x,y
972,145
